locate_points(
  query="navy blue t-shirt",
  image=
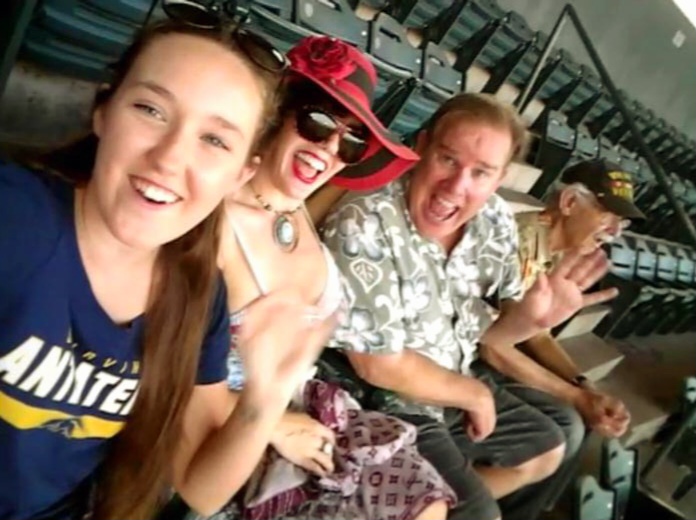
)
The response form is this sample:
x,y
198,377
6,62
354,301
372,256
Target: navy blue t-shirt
x,y
68,374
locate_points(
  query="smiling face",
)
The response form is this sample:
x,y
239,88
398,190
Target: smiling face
x,y
585,224
462,163
297,166
173,140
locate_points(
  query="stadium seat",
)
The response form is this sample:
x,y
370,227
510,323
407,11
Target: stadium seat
x,y
560,77
662,214
275,19
676,267
642,177
78,39
437,75
418,13
467,25
623,259
645,292
70,21
608,151
634,272
685,163
334,17
586,97
517,65
618,472
499,39
55,54
602,115
619,132
586,146
666,278
395,59
407,105
377,5
556,144
284,9
592,502
133,11
559,148
285,22
673,147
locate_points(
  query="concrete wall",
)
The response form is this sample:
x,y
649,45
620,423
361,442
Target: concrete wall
x,y
634,40
40,109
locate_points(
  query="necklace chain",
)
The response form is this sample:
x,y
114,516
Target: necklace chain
x,y
267,206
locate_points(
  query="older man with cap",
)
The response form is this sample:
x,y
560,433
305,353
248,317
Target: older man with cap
x,y
592,205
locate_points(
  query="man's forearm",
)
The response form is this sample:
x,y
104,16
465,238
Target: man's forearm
x,y
550,354
417,377
508,329
509,361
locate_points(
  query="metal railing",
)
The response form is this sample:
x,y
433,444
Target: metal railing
x,y
525,98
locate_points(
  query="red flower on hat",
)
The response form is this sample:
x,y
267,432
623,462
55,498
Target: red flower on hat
x,y
322,57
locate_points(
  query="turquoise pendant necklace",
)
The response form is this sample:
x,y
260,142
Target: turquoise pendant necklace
x,y
286,232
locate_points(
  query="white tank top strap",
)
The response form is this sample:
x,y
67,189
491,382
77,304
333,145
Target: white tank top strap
x,y
332,296
246,253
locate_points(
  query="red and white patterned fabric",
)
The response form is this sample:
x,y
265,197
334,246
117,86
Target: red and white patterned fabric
x,y
379,472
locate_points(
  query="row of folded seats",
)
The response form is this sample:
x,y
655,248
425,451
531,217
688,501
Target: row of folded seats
x,y
82,37
576,119
560,146
569,134
657,287
413,80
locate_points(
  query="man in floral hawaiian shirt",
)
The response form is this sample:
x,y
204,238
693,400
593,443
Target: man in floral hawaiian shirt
x,y
421,255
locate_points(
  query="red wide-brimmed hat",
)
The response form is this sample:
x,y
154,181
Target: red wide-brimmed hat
x,y
347,75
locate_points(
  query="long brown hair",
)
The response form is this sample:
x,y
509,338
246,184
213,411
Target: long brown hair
x,y
133,477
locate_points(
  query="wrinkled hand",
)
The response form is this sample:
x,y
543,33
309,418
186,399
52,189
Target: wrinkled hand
x,y
279,340
481,419
603,413
302,440
556,297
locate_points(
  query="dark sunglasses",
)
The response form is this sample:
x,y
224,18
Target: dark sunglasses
x,y
215,14
316,125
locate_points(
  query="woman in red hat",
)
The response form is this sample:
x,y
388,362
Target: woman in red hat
x,y
330,459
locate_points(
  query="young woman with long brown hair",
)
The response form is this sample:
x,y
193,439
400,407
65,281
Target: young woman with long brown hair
x,y
113,321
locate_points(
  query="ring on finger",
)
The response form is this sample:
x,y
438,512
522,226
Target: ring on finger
x,y
327,447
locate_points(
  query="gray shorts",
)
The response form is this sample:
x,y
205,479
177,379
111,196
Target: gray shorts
x,y
524,430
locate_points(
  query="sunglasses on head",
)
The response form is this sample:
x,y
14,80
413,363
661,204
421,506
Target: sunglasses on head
x,y
216,14
317,125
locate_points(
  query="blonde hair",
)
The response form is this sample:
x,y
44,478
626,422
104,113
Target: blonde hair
x,y
484,108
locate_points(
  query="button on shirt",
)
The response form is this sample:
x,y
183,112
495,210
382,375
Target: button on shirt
x,y
406,291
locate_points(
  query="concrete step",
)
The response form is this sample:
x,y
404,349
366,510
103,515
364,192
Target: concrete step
x,y
648,414
520,202
594,357
521,177
584,321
